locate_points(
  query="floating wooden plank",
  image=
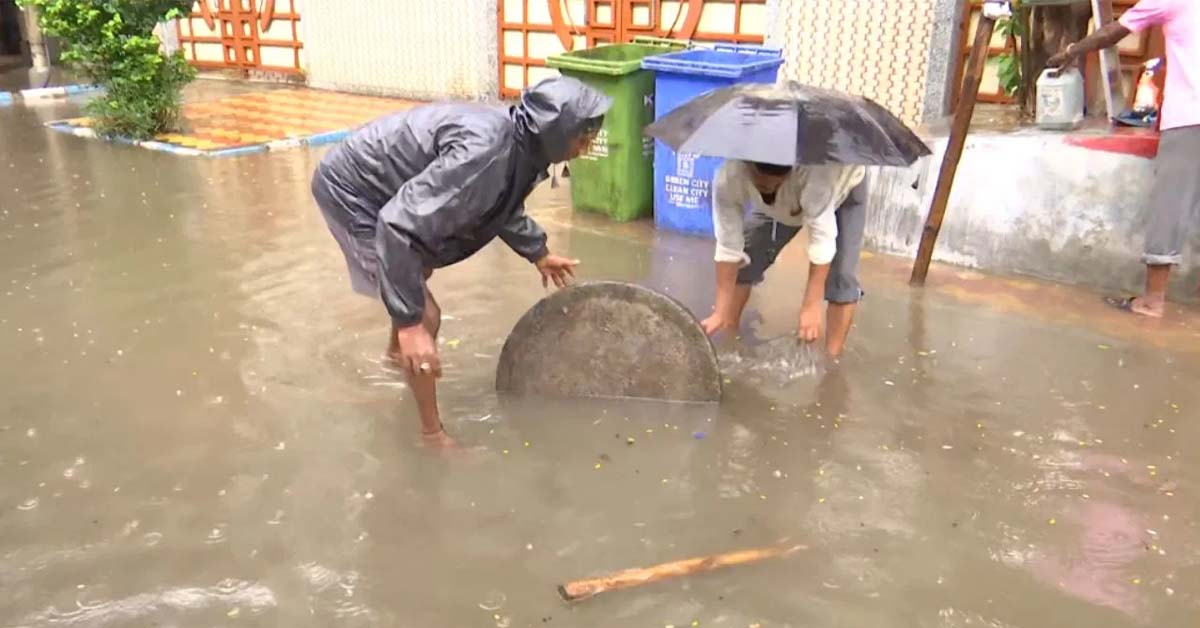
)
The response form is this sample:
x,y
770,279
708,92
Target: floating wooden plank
x,y
583,589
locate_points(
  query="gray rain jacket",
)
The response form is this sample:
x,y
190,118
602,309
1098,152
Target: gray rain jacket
x,y
434,185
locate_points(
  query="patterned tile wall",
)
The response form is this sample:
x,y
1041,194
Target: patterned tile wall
x,y
874,48
424,50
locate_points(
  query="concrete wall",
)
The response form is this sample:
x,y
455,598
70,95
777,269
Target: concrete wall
x,y
1028,203
945,49
423,50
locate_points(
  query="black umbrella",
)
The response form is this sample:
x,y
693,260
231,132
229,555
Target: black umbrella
x,y
790,124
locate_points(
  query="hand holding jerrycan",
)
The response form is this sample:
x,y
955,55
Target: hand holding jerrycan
x,y
1060,99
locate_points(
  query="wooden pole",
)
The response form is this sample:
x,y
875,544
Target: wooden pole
x,y
583,589
954,148
1110,61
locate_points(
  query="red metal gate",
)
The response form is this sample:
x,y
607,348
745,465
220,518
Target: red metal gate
x,y
531,30
242,35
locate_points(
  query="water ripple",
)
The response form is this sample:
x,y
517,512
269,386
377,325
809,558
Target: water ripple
x,y
227,593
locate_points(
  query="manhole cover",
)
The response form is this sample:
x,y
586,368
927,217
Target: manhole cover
x,y
610,339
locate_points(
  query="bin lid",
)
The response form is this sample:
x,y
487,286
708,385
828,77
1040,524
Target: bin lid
x,y
723,61
615,59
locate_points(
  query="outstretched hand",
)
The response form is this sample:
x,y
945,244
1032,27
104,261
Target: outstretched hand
x,y
1061,61
556,269
1064,58
718,323
810,324
418,351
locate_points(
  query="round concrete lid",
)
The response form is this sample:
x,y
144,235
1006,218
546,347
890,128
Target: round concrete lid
x,y
610,339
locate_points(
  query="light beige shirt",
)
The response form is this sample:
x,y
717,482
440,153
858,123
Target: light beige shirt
x,y
809,198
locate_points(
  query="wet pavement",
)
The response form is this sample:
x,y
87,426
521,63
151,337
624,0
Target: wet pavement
x,y
259,118
222,118
196,430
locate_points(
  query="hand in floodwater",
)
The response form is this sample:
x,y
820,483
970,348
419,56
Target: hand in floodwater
x,y
810,324
560,270
718,323
418,352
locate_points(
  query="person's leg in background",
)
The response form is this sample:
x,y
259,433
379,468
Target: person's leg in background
x,y
1174,205
842,289
765,238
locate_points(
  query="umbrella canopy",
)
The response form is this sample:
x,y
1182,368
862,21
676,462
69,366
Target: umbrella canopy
x,y
790,124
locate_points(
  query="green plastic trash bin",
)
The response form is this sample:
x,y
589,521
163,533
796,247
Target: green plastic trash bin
x,y
616,177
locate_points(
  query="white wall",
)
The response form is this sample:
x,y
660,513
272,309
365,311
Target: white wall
x,y
1030,203
421,49
873,48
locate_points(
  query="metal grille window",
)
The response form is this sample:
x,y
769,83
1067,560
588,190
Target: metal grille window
x,y
531,30
242,34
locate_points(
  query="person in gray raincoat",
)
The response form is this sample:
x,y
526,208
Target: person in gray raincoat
x,y
427,188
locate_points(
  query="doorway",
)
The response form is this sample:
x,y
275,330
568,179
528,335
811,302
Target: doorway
x,y
11,41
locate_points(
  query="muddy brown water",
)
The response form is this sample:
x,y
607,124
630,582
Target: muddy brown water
x,y
196,430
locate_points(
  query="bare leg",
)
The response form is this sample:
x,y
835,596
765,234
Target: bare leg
x,y
1153,302
741,296
843,288
424,387
839,317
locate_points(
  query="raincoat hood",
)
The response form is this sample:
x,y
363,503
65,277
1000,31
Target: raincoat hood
x,y
553,114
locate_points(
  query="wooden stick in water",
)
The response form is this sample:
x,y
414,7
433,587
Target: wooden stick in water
x,y
583,589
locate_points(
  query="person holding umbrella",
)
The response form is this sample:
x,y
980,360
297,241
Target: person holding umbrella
x,y
424,189
797,158
829,200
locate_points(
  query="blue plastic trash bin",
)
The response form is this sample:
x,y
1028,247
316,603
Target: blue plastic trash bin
x,y
683,182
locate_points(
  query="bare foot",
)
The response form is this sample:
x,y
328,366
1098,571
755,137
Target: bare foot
x,y
444,445
439,441
1138,306
1145,307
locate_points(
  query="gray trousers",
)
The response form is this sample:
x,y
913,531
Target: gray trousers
x,y
362,261
1175,201
765,238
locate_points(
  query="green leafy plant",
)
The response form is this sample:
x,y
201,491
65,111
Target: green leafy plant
x,y
1008,71
1009,63
112,43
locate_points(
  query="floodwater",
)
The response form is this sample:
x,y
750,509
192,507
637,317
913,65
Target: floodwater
x,y
196,430
15,76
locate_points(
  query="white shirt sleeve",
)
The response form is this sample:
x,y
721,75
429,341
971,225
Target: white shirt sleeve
x,y
822,236
824,192
728,217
